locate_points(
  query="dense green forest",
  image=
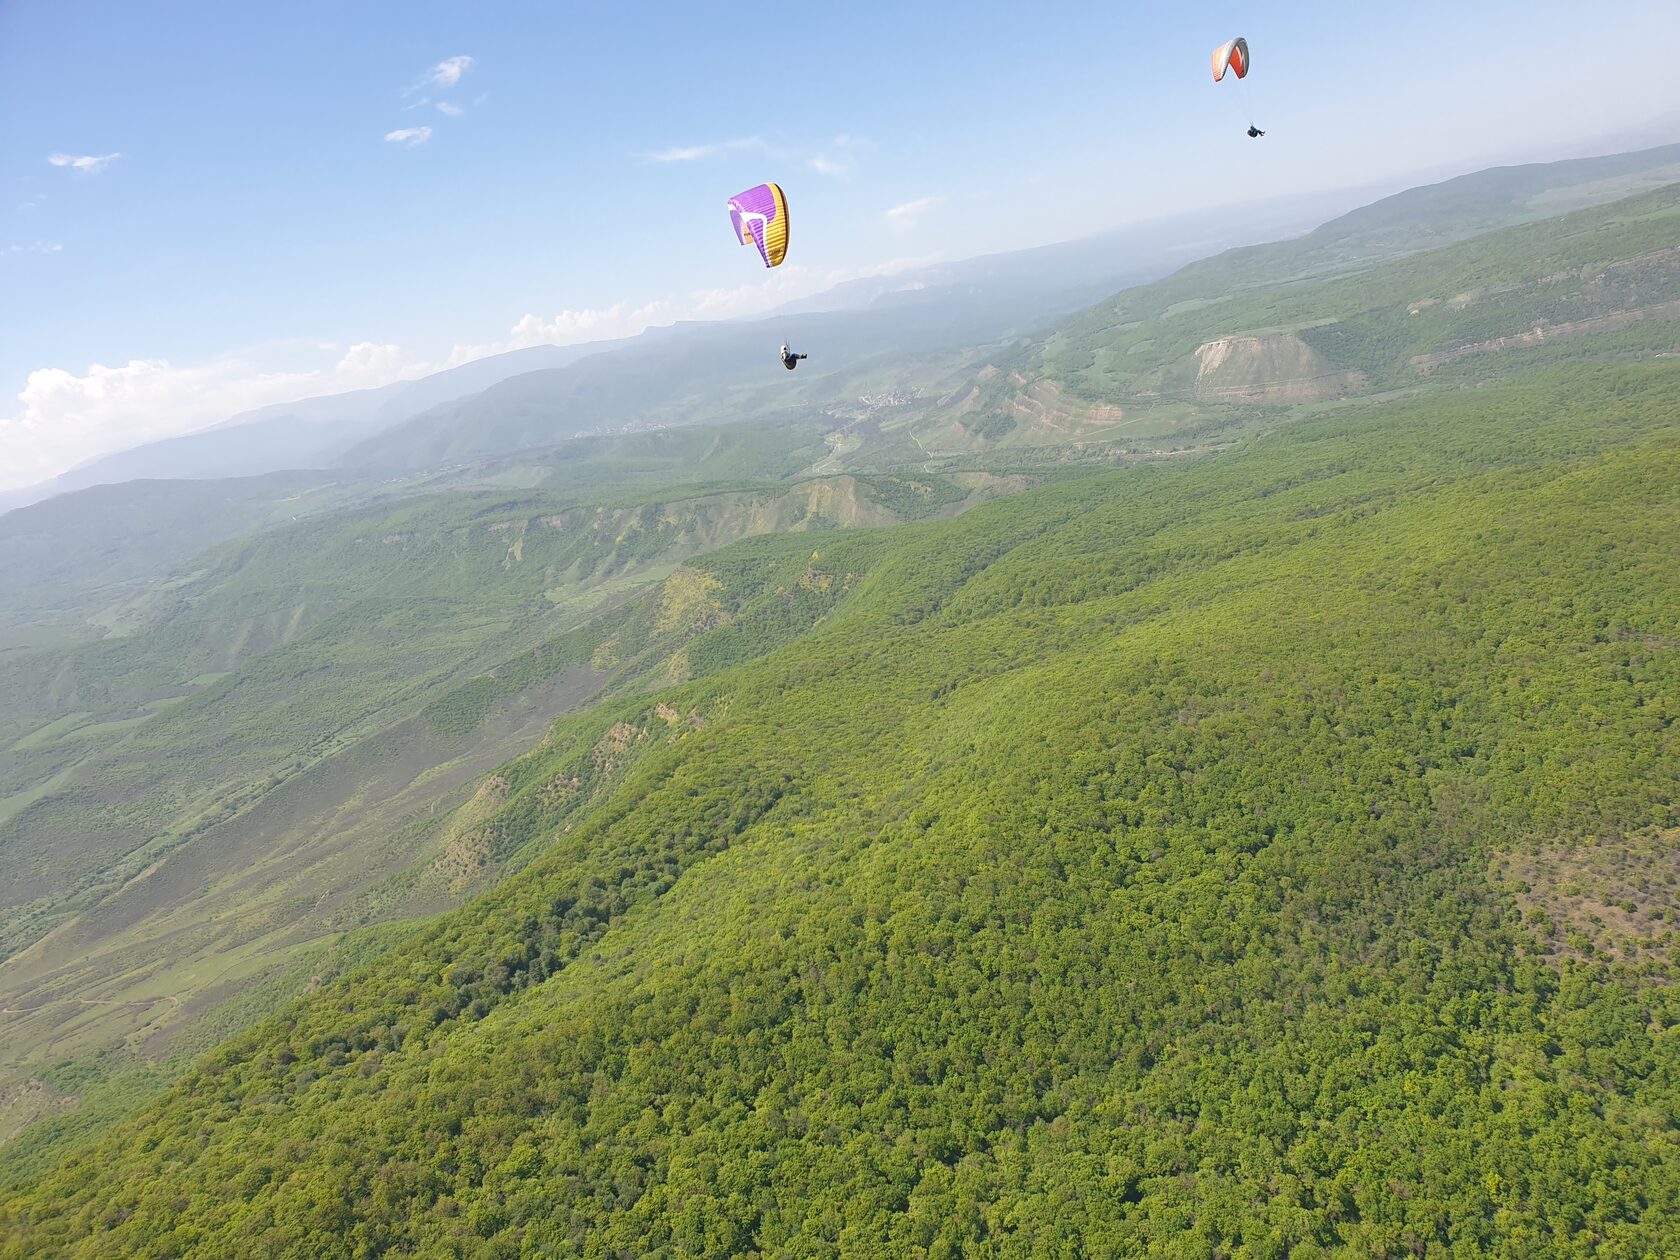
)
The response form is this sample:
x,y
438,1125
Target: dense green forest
x,y
1161,862
1198,780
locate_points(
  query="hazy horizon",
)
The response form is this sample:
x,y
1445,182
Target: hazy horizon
x,y
349,200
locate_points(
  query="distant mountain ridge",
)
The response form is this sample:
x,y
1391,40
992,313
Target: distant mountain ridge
x,y
308,433
1001,292
1018,287
714,371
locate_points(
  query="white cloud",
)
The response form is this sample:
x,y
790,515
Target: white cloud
x,y
785,284
905,216
66,419
34,247
567,328
838,159
87,164
699,152
446,74
410,136
375,363
450,108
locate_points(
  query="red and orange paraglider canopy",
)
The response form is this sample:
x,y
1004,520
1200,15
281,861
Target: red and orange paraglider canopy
x,y
1232,56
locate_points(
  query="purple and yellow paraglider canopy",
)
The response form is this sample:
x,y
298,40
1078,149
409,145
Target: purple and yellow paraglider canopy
x,y
760,216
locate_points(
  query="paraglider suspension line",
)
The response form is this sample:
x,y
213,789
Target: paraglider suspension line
x,y
1247,101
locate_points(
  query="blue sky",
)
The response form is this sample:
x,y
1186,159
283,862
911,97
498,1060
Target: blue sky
x,y
260,236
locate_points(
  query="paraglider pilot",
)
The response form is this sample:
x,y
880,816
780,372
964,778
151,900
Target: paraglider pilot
x,y
790,360
1254,133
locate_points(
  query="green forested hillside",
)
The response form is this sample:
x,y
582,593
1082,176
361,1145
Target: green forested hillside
x,y
213,763
1154,863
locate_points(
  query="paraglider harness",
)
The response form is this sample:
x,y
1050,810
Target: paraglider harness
x,y
790,360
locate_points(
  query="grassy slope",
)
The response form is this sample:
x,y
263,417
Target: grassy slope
x,y
58,555
100,563
299,796
1507,282
305,634
1108,870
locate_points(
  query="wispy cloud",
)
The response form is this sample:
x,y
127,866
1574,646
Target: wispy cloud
x,y
700,152
623,319
839,159
88,164
450,108
446,74
785,284
409,136
907,214
34,247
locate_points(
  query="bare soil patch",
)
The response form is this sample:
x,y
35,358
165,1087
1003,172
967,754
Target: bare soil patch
x,y
1618,902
